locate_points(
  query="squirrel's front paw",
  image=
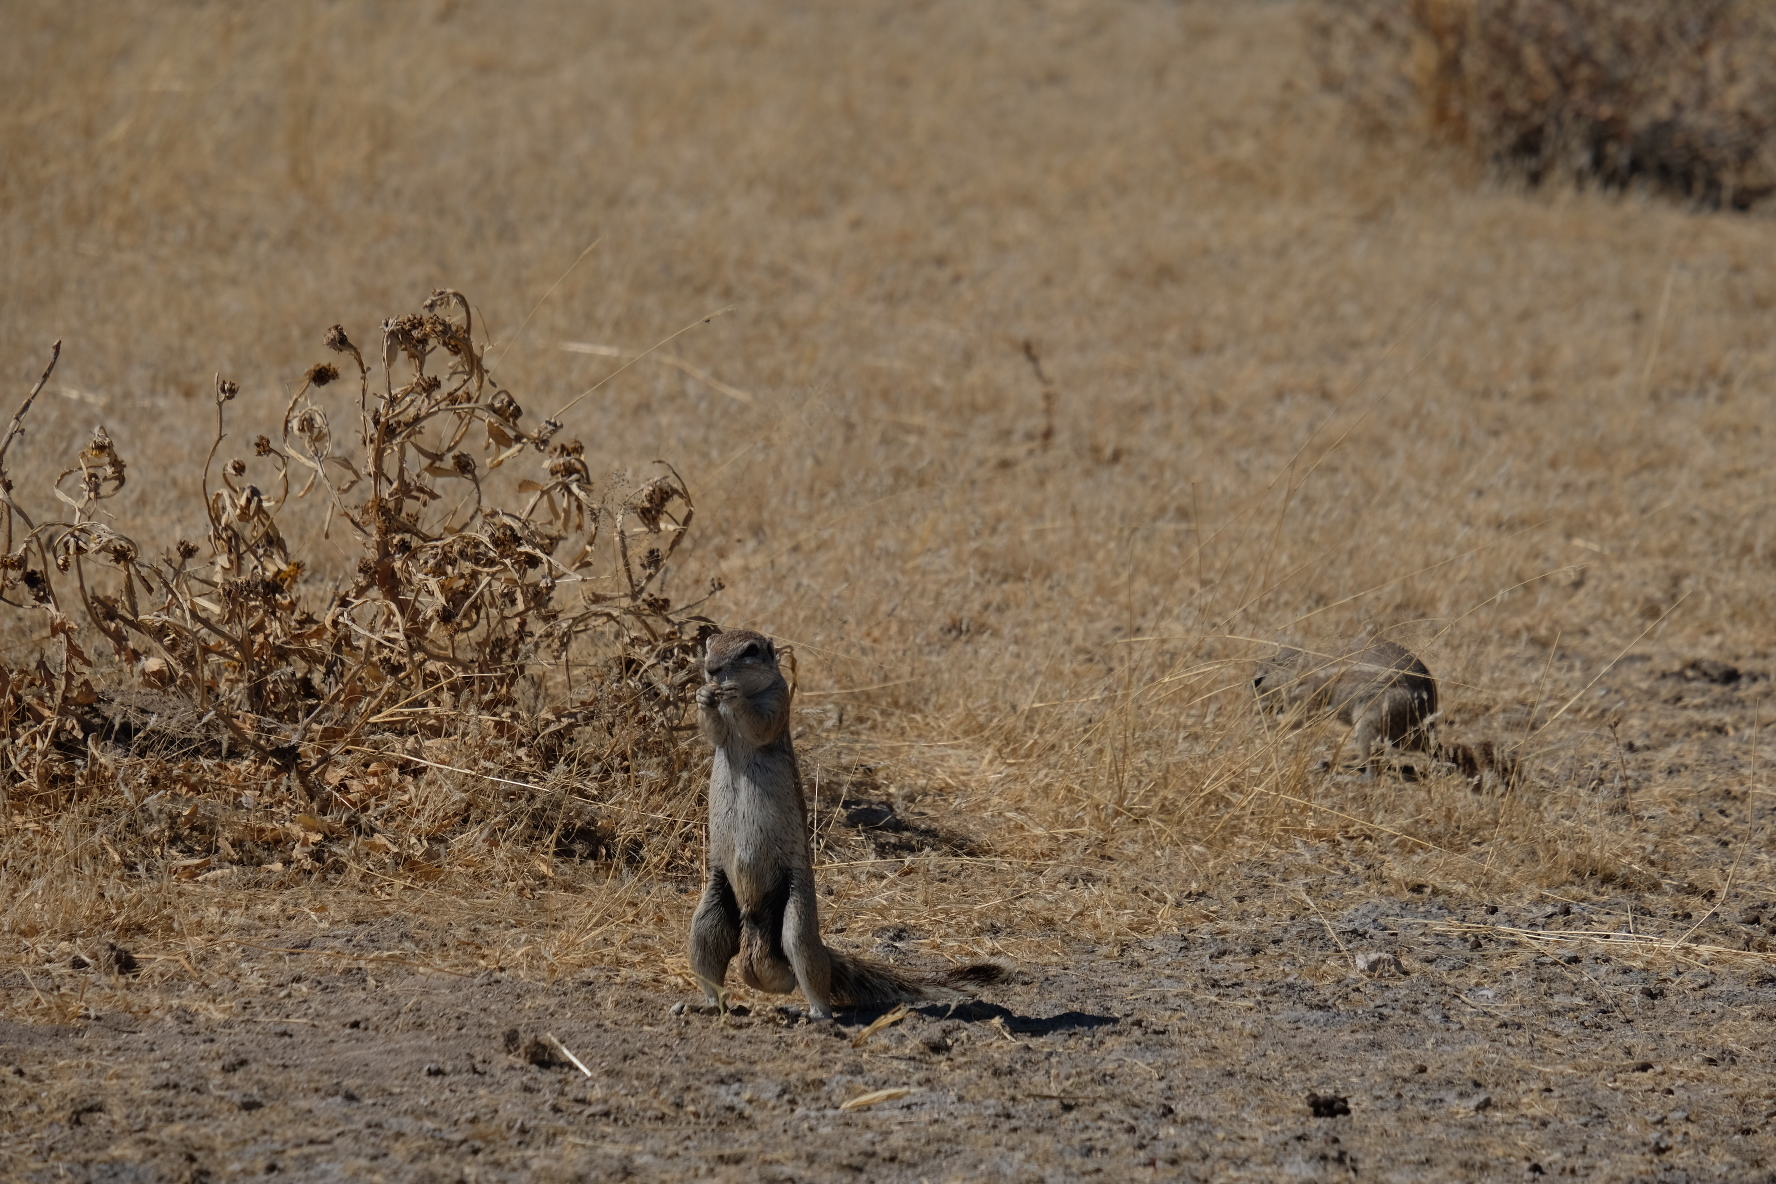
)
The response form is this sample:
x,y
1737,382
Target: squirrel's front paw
x,y
714,694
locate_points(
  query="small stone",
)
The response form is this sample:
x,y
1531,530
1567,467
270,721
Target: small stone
x,y
251,1103
1483,1102
678,1008
434,1069
1660,1144
1327,1105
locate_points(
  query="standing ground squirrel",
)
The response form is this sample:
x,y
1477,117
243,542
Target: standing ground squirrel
x,y
758,898
1381,690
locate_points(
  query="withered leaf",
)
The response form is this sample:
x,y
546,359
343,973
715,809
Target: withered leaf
x,y
422,871
318,825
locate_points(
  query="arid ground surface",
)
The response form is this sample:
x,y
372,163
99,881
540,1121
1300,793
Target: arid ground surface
x,y
1072,354
1195,1053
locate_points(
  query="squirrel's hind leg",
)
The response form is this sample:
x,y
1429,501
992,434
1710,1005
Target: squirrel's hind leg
x,y
801,941
715,935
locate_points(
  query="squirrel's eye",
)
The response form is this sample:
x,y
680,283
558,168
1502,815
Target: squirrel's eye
x,y
751,650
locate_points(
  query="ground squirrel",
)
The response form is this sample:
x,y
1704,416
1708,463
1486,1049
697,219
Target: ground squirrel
x,y
758,897
1381,690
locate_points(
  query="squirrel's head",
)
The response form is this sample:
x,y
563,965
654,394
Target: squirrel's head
x,y
1277,685
746,659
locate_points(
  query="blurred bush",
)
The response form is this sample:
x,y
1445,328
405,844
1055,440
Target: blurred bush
x,y
1677,95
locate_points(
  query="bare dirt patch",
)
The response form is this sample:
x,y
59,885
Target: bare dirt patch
x,y
1242,1043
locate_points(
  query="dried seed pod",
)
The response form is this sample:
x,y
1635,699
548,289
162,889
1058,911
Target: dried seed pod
x,y
505,406
565,463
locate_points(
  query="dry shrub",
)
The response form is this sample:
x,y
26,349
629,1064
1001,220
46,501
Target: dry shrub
x,y
1677,96
483,675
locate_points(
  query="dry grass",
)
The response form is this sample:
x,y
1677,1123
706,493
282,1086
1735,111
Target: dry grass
x,y
1074,349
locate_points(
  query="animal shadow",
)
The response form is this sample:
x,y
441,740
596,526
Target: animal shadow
x,y
978,1012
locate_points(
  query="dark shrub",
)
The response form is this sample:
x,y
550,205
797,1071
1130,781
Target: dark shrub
x,y
1679,95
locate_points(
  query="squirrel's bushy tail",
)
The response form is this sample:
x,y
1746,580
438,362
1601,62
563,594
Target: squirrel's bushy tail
x,y
861,982
1481,762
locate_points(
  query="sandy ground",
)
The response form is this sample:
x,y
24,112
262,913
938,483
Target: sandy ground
x,y
1195,1055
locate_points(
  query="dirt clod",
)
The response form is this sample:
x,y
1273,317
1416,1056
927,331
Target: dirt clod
x,y
1378,964
539,1052
1709,670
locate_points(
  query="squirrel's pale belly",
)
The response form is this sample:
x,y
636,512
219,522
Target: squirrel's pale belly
x,y
755,831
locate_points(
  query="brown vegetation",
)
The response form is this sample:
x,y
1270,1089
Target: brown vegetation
x,y
453,641
1014,499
